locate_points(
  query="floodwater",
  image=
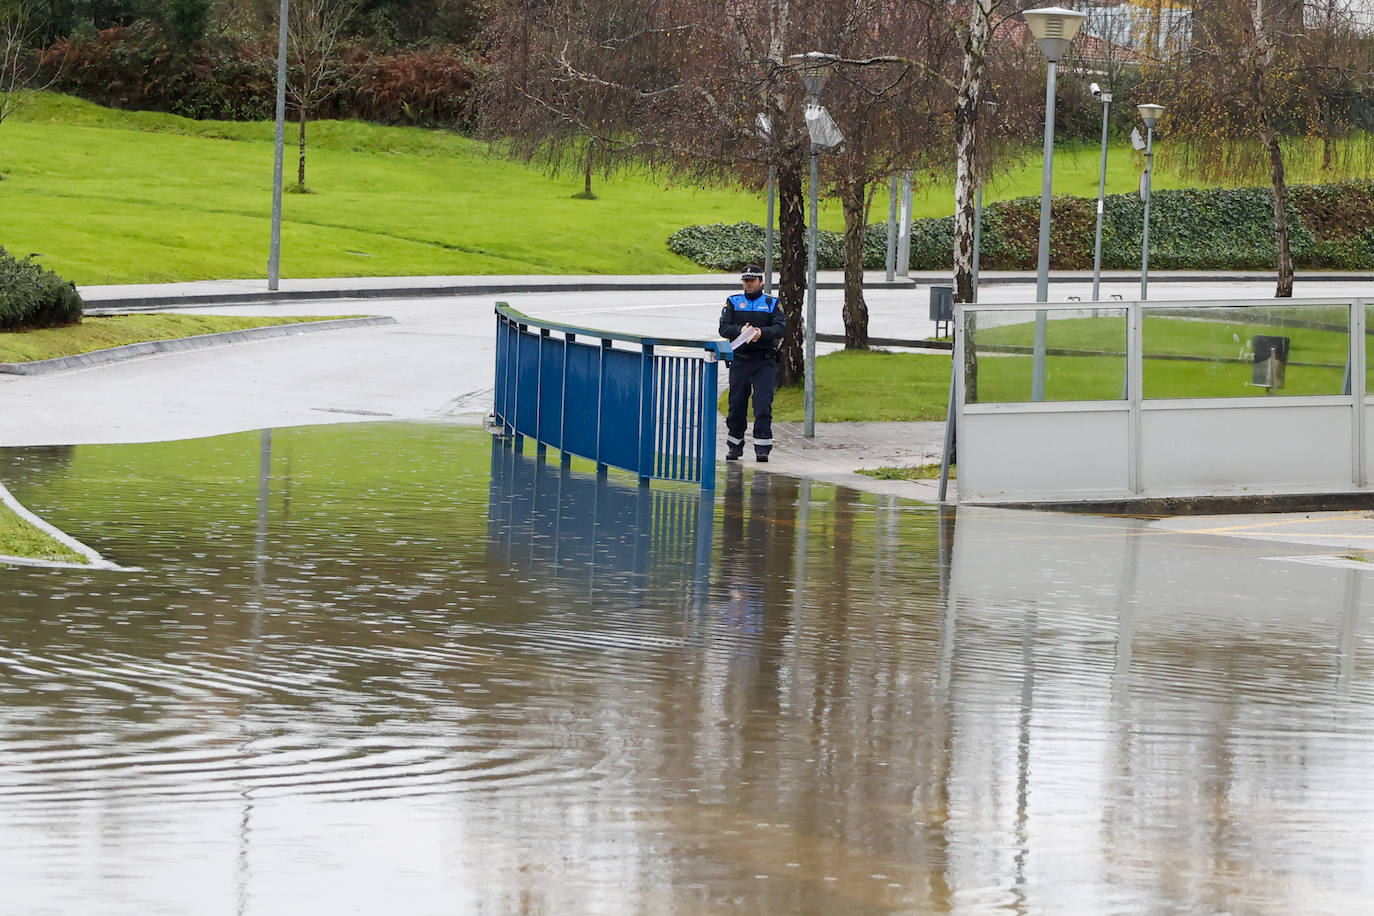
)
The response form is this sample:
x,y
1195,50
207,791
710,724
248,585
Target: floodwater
x,y
400,669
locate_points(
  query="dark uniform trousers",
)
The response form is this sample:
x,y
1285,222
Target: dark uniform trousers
x,y
758,375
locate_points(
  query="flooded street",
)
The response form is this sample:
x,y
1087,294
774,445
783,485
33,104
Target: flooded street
x,y
400,668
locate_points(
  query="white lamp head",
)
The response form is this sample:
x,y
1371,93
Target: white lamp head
x,y
816,67
1053,27
1150,113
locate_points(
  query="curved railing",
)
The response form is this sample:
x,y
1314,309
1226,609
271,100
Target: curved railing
x,y
644,404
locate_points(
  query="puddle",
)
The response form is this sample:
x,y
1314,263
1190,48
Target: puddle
x,y
357,662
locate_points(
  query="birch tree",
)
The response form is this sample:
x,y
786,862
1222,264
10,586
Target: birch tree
x,y
973,142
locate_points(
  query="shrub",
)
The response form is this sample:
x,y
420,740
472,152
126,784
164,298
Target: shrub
x,y
430,87
721,247
31,296
1330,226
141,68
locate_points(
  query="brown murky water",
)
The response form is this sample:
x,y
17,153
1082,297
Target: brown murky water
x,y
388,668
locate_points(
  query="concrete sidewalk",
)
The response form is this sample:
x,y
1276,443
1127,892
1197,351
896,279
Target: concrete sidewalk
x,y
839,450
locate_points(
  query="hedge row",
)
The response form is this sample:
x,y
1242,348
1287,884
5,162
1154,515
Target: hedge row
x,y
34,297
142,68
1330,226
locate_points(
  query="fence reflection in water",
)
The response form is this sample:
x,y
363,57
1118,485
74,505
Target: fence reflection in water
x,y
575,524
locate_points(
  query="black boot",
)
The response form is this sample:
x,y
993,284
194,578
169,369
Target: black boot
x,y
734,451
761,455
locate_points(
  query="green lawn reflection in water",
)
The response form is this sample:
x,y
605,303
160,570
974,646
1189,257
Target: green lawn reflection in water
x,y
396,662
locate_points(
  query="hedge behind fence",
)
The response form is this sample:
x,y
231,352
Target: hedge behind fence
x,y
141,68
1330,226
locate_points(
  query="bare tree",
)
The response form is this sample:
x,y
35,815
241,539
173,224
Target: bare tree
x,y
576,82
1336,53
671,85
1247,79
20,74
314,72
893,113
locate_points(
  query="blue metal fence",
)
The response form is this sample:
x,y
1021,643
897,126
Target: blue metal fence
x,y
631,406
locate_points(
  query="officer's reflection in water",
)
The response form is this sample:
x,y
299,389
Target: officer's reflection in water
x,y
757,562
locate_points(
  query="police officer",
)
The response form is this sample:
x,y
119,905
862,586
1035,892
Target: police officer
x,y
755,364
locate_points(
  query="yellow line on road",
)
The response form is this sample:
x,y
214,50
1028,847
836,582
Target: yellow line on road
x,y
1284,522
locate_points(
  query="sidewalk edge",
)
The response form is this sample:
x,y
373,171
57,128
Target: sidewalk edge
x,y
180,344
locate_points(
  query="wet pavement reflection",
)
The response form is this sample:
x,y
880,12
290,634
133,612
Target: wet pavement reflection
x,y
365,664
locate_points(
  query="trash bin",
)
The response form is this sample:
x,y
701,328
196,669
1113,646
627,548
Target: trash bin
x,y
1271,359
942,303
942,309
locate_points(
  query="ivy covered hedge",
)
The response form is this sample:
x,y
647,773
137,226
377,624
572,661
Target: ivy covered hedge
x,y
32,296
1330,226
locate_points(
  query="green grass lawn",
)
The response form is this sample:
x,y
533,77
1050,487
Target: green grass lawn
x,y
20,539
123,197
870,385
909,472
133,197
102,332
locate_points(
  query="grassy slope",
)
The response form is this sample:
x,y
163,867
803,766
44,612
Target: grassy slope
x,y
112,197
120,197
99,333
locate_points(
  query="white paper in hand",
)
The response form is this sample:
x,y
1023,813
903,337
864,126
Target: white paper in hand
x,y
744,337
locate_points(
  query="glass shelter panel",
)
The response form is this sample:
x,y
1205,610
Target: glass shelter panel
x,y
1368,350
1236,351
1084,355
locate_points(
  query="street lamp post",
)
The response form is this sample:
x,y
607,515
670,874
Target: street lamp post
x,y
763,125
274,249
816,67
1106,99
990,107
1149,113
768,232
1053,27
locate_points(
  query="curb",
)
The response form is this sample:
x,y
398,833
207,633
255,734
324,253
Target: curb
x,y
93,558
553,284
96,304
198,342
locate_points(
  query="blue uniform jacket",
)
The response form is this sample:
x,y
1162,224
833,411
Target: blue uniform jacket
x,y
764,313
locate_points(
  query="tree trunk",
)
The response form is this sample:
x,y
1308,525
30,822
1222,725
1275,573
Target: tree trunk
x,y
1328,135
792,268
587,172
1260,97
300,165
966,148
855,230
1284,289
